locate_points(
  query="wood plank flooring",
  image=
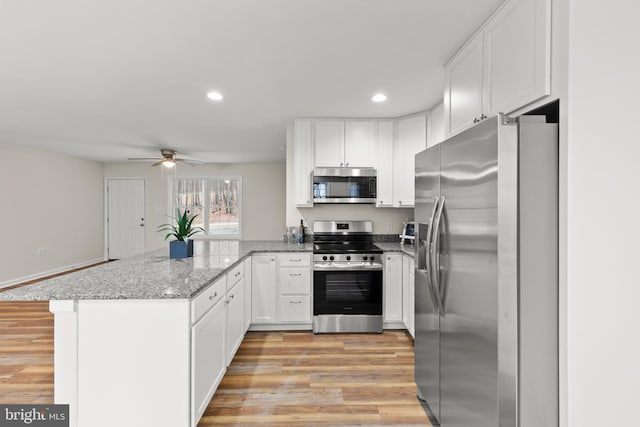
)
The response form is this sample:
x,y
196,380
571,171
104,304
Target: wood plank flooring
x,y
297,378
26,352
276,378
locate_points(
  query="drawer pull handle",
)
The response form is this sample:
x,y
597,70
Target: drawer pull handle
x,y
232,296
215,294
237,273
295,260
295,302
295,274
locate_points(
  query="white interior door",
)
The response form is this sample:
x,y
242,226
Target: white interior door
x,y
125,217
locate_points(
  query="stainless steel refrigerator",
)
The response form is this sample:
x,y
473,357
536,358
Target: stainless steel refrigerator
x,y
486,290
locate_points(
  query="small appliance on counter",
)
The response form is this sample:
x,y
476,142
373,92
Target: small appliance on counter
x,y
408,232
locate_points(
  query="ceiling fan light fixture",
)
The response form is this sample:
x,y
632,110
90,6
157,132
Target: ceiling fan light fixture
x,y
168,163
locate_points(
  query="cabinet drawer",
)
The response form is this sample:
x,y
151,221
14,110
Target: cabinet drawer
x,y
235,274
295,280
294,260
294,308
207,299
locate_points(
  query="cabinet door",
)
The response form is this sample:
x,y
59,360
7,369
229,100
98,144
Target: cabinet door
x,y
235,319
294,308
393,288
247,293
295,280
385,164
411,139
263,288
302,162
329,143
359,143
517,56
405,291
207,357
463,87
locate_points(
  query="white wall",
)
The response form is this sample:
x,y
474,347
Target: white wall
x,y
263,195
49,201
604,214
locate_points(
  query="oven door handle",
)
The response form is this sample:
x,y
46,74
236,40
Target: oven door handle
x,y
350,267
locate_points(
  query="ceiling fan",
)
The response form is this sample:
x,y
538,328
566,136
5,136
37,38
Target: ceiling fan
x,y
168,159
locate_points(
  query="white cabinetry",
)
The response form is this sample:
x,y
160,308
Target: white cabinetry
x,y
294,300
385,164
302,161
503,67
463,87
263,288
392,287
408,294
282,290
411,139
235,312
208,338
517,56
247,294
344,143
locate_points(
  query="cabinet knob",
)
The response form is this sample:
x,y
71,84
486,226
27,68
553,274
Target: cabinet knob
x,y
482,117
346,164
273,259
232,296
475,120
215,294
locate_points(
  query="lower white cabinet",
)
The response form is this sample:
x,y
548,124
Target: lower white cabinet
x,y
235,319
294,308
408,294
247,293
263,288
207,357
393,287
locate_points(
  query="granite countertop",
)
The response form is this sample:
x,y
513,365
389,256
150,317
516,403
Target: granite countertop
x,y
407,249
151,275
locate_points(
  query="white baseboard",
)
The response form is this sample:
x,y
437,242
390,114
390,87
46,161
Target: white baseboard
x,y
42,274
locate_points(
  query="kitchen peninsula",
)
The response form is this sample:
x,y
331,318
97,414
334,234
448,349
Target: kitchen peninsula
x,y
126,348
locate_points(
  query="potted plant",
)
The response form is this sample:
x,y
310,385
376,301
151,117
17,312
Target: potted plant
x,y
182,230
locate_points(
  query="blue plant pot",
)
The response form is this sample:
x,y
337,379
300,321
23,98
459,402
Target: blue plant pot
x,y
178,249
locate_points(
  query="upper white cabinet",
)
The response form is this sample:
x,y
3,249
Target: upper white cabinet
x,y
463,87
385,164
410,140
329,143
344,143
503,67
517,55
302,162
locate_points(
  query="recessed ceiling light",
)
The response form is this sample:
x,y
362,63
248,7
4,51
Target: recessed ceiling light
x,y
215,96
379,97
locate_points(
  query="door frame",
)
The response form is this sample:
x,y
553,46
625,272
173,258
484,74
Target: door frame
x,y
106,210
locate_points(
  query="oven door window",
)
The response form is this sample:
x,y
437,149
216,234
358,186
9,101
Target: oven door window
x,y
347,292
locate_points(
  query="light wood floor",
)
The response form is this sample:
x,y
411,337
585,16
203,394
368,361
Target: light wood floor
x,y
276,378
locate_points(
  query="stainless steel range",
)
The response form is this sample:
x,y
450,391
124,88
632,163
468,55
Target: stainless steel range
x,y
347,278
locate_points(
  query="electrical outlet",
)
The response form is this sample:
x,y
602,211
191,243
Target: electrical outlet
x,y
389,225
40,251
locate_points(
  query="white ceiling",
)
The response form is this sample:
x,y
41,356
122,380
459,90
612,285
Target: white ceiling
x,y
111,79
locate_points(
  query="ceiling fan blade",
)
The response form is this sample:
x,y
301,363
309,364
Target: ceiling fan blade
x,y
157,163
189,162
143,158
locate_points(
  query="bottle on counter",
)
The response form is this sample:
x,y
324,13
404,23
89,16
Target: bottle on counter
x,y
301,232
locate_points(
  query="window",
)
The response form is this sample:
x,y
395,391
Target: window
x,y
216,201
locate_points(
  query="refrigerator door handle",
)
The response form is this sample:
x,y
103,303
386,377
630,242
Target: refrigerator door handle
x,y
423,246
431,279
434,253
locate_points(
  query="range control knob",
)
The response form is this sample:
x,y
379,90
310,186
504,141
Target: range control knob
x,y
371,257
365,257
331,258
324,258
348,257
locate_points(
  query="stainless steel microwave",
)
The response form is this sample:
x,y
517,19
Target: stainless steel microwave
x,y
344,185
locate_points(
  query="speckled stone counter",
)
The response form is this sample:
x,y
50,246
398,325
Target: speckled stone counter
x,y
151,275
397,247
